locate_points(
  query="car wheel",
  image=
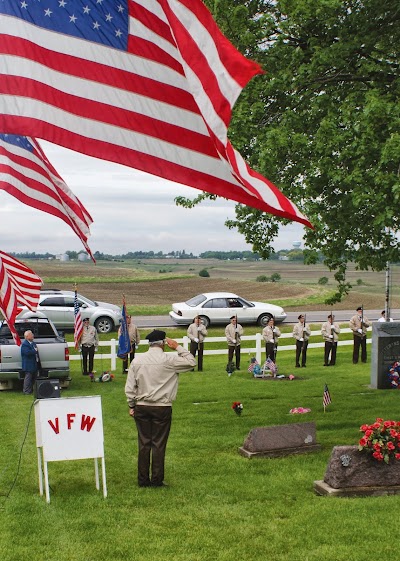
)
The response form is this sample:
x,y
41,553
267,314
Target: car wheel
x,y
264,319
205,320
104,325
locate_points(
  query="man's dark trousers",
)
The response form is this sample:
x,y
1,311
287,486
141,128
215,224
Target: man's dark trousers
x,y
197,347
153,425
359,342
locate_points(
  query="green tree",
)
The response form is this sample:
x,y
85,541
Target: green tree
x,y
323,123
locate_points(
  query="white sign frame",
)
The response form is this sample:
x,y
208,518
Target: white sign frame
x,y
69,428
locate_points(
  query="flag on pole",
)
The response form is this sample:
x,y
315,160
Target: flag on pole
x,y
327,397
26,173
19,285
78,325
124,341
150,85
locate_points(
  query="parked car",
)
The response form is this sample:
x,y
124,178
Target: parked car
x,y
218,307
53,351
58,306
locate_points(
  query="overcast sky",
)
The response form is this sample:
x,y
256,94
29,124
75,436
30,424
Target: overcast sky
x,y
131,211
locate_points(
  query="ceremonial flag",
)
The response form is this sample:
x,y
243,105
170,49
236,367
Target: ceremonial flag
x,y
124,341
78,325
327,397
27,174
146,83
19,285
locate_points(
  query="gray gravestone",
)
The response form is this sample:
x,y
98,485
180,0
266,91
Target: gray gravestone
x,y
280,440
354,473
385,351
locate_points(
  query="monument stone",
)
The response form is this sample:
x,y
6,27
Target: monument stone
x,y
385,351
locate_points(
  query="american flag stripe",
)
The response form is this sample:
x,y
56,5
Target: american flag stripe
x,y
19,285
78,325
26,174
155,91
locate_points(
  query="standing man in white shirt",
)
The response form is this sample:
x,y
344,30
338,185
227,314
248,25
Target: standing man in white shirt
x,y
359,325
330,332
301,332
89,344
197,332
233,334
271,334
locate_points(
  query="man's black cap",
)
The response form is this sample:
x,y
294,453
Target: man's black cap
x,y
156,335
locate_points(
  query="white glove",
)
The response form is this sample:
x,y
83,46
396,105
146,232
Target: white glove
x,y
271,341
360,330
331,336
274,330
301,339
196,340
136,347
332,327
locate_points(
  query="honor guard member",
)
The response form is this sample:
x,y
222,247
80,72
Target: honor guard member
x,y
197,332
359,325
270,335
151,387
330,333
233,334
301,332
134,337
89,343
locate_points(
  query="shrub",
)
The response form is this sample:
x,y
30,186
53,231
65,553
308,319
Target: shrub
x,y
360,282
204,273
262,278
275,277
323,280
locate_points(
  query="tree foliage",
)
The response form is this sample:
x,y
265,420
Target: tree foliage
x,y
322,123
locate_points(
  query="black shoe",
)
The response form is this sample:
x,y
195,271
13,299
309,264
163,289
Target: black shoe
x,y
158,484
303,365
85,373
297,365
326,364
145,484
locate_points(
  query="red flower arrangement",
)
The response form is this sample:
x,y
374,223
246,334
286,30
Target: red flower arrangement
x,y
381,440
237,407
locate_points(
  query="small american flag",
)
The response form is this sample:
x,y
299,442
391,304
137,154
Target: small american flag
x,y
19,285
147,83
327,397
78,325
26,174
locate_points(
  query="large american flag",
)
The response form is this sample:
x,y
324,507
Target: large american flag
x,y
78,325
27,174
146,83
19,285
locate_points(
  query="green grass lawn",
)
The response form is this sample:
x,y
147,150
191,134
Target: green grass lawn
x,y
219,506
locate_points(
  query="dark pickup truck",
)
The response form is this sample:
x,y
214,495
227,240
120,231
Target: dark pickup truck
x,y
53,352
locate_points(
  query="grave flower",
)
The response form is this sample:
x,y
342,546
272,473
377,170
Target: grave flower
x,y
381,440
237,407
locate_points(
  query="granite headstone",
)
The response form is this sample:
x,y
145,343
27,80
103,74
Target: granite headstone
x,y
280,440
385,351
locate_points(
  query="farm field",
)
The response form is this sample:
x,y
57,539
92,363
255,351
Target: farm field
x,y
151,285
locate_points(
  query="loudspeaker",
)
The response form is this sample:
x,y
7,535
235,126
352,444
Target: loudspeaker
x,y
45,388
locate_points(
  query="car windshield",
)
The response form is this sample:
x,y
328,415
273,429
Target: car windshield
x,y
86,301
193,302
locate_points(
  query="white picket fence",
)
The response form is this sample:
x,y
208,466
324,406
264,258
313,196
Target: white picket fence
x,y
256,350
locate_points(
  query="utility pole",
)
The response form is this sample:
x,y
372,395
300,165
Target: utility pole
x,y
387,292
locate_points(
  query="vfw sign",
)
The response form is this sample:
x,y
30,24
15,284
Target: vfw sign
x,y
69,428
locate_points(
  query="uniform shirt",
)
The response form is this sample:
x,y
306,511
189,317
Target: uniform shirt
x,y
355,325
232,336
301,331
271,334
89,336
329,328
153,376
134,335
197,332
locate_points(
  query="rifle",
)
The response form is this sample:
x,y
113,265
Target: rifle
x,y
362,320
236,333
304,339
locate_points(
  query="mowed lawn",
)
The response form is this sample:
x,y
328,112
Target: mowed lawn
x,y
219,506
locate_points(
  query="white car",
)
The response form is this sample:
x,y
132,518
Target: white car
x,y
218,307
58,306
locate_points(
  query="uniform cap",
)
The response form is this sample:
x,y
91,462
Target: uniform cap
x,y
156,335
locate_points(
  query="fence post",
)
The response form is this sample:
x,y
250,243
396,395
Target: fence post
x,y
258,347
113,343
